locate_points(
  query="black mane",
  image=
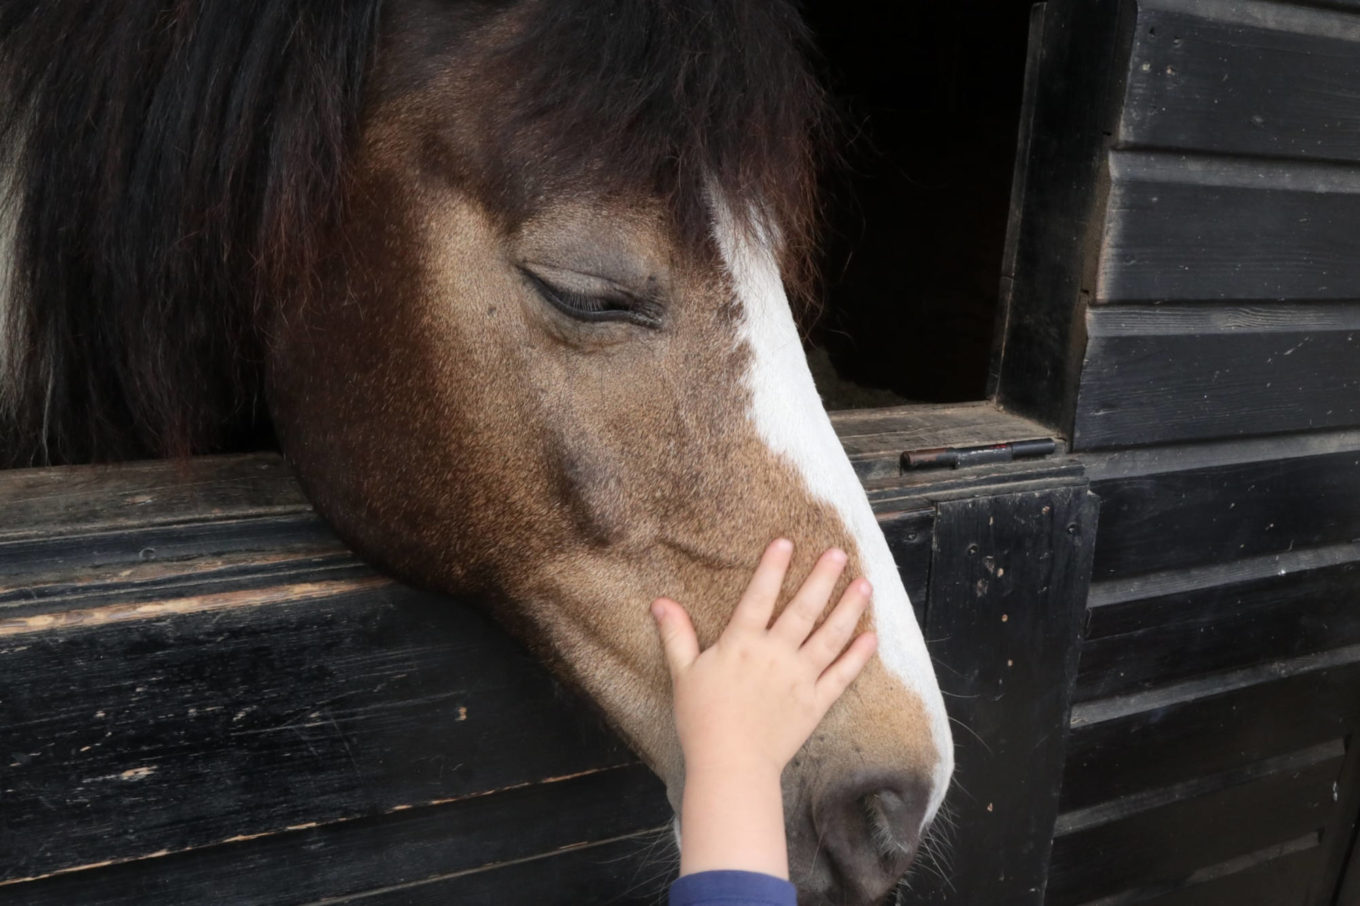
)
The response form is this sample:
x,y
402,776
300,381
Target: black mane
x,y
180,161
175,160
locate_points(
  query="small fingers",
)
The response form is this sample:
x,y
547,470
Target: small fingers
x,y
830,638
838,677
757,602
678,640
807,605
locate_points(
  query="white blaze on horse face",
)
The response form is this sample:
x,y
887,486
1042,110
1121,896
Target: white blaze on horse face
x,y
788,413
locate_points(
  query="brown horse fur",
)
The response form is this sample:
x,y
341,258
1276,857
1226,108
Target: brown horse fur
x,y
442,404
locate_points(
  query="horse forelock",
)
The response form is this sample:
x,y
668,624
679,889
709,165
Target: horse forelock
x,y
181,165
663,100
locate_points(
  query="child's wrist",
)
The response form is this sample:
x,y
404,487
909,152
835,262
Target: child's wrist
x,y
726,763
732,817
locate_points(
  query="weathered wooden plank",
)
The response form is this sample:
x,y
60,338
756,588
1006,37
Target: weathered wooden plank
x,y
393,850
584,874
875,439
1280,875
1136,644
1259,79
1222,727
1070,115
1232,511
1109,465
930,425
910,538
72,499
39,575
1151,389
208,717
1166,844
1008,579
1205,228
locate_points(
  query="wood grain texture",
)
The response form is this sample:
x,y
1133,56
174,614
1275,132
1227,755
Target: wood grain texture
x,y
84,570
70,499
1140,643
1007,590
402,850
575,876
1232,511
1214,731
1251,79
1167,844
1071,114
205,724
1196,228
875,439
1173,388
1277,876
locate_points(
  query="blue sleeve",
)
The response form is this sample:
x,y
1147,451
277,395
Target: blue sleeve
x,y
732,888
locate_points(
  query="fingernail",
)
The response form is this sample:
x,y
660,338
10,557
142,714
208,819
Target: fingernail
x,y
783,545
838,555
658,610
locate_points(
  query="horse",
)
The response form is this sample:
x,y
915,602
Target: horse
x,y
512,285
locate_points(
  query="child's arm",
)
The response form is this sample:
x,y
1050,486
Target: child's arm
x,y
746,705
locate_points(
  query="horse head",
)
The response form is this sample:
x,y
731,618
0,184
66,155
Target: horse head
x,y
535,346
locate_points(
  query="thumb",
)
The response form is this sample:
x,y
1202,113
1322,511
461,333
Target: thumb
x,y
677,634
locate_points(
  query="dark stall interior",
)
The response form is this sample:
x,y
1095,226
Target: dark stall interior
x,y
928,103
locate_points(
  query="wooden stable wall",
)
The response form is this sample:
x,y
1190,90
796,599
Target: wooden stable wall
x,y
205,698
1184,304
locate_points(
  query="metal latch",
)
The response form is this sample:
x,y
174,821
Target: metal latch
x,y
955,457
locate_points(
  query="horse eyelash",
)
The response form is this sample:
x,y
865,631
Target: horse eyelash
x,y
583,307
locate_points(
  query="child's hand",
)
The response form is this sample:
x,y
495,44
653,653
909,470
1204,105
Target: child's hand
x,y
750,701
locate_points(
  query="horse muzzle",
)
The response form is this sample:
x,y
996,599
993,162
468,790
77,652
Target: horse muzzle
x,y
865,833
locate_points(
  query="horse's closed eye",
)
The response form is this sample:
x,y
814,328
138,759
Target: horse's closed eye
x,y
606,304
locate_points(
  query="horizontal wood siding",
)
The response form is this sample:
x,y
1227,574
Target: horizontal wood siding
x,y
1209,228
1231,225
1170,841
416,853
1199,328
210,699
1218,692
1252,79
1172,519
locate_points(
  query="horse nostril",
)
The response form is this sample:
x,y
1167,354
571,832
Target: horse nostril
x,y
870,829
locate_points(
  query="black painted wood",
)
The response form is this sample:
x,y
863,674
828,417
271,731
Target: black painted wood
x,y
1137,644
83,570
1205,228
1008,585
1269,81
72,499
612,873
405,850
1072,113
909,537
182,727
1339,835
1348,893
1150,389
1276,880
1169,843
1176,519
1124,747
